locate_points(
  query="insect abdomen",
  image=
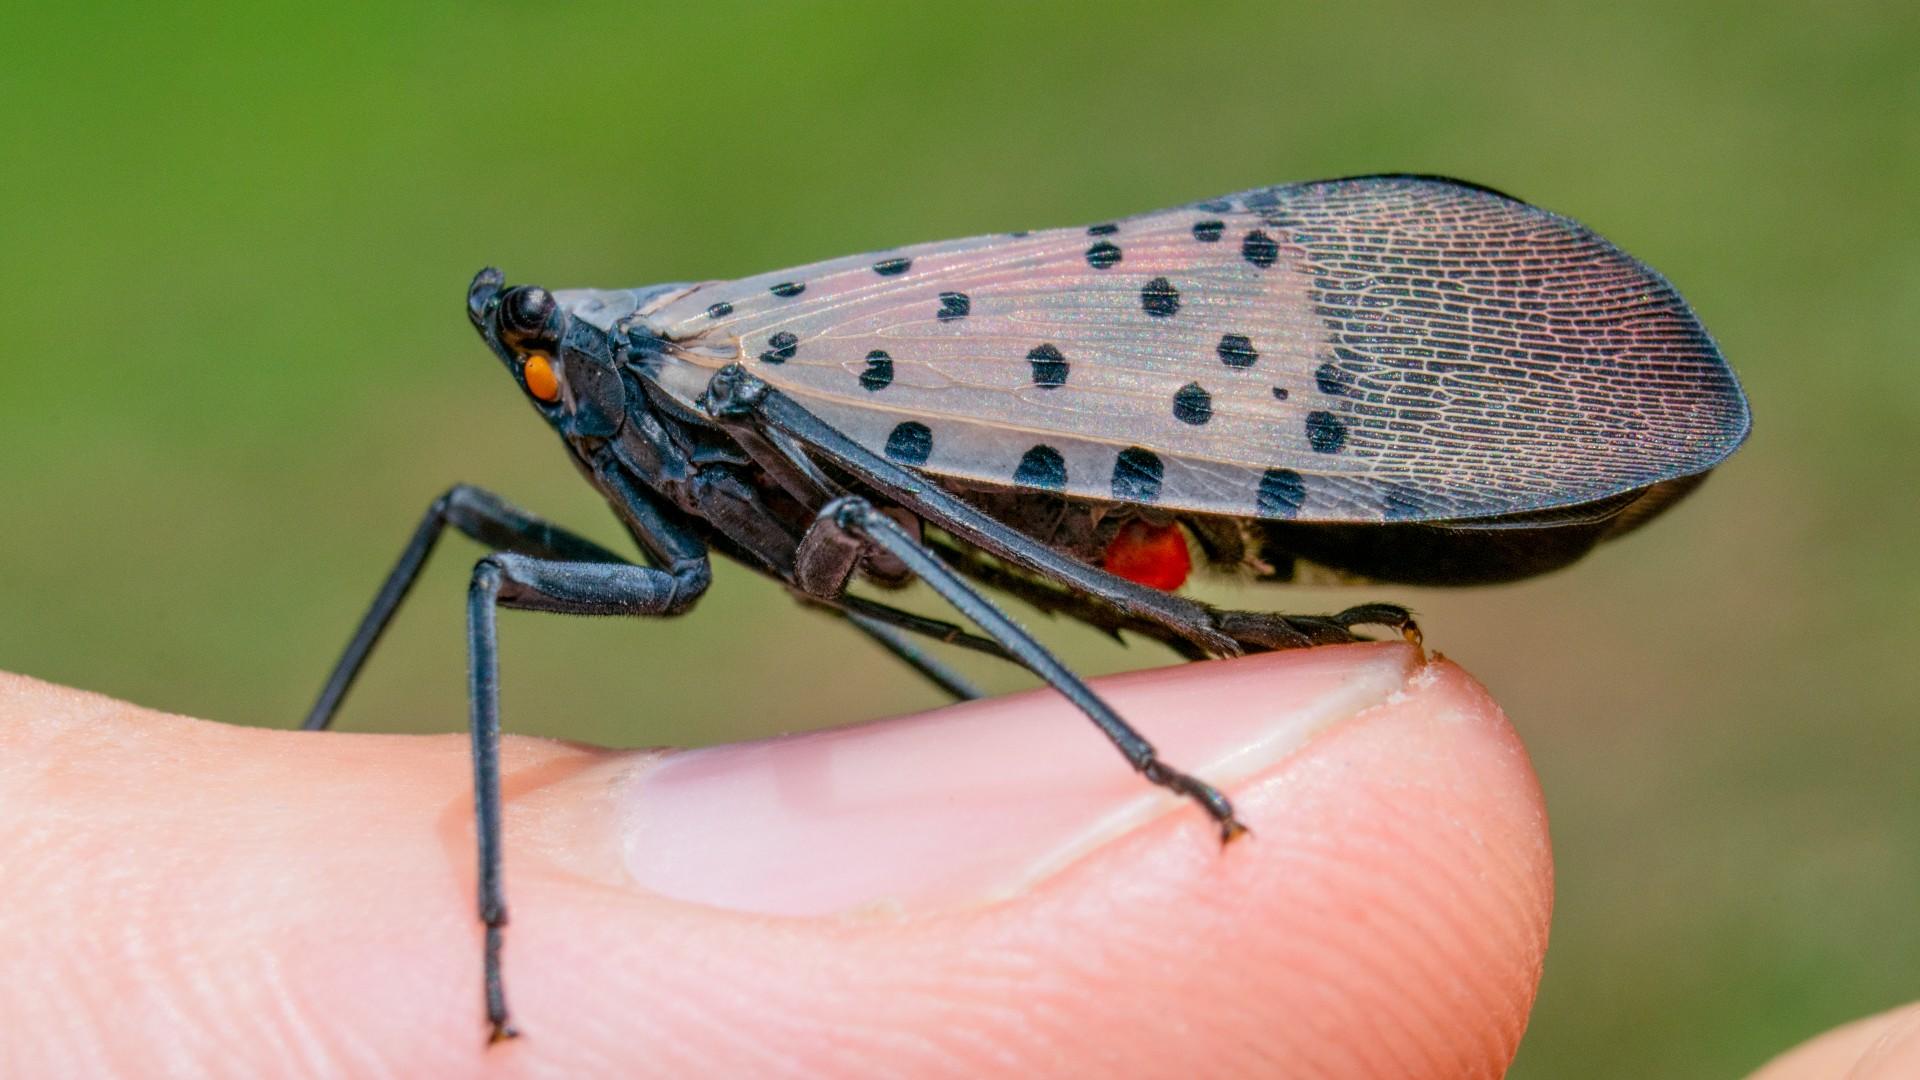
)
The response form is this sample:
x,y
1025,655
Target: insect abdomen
x,y
1462,553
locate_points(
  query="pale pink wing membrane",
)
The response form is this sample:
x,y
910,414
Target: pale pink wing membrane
x,y
1354,350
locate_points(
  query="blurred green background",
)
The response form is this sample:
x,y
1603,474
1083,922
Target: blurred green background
x,y
234,253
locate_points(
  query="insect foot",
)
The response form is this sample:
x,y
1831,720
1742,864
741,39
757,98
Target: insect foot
x,y
1391,616
1216,805
1263,631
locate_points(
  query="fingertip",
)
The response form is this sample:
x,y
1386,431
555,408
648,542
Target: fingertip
x,y
1387,913
1405,906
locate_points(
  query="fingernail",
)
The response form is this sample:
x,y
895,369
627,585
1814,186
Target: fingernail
x,y
974,803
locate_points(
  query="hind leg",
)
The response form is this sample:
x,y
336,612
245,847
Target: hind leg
x,y
1253,631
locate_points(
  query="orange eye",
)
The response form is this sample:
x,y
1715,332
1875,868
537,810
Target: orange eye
x,y
541,381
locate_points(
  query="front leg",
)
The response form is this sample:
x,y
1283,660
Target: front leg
x,y
540,567
479,514
533,584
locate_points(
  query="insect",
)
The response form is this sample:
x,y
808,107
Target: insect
x,y
1391,378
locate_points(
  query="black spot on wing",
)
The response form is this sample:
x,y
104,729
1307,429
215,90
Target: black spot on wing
x,y
911,443
1281,494
1103,255
1279,393
954,305
788,289
1102,230
1049,366
1208,231
1325,432
1332,379
1237,351
1159,298
1137,474
892,267
1260,249
879,373
720,310
1042,467
1192,404
781,348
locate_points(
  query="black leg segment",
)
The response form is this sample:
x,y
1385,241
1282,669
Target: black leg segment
x,y
575,588
1271,630
481,515
956,685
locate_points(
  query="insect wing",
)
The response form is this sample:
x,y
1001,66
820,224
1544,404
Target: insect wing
x,y
1385,348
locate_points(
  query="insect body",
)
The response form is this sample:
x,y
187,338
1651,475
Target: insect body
x,y
1393,378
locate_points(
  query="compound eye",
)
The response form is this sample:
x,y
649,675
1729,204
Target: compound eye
x,y
524,311
540,378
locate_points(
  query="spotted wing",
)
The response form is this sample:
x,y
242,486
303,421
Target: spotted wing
x,y
1382,348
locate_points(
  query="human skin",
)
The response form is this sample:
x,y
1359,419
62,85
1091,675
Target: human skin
x,y
982,890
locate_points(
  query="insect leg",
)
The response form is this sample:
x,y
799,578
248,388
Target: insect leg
x,y
945,633
746,528
1258,631
1084,608
845,522
904,647
1270,630
535,584
479,514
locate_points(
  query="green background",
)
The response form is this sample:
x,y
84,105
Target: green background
x,y
233,248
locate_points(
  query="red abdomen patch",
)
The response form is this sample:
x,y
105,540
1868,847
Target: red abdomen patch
x,y
1151,555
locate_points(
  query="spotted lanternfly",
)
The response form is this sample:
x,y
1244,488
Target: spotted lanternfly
x,y
1391,378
